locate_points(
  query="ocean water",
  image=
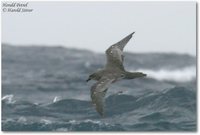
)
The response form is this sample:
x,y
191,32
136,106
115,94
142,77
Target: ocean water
x,y
45,89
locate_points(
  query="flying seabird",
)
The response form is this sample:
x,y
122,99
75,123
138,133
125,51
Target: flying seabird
x,y
112,72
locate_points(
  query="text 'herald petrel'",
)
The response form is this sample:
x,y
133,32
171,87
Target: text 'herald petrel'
x,y
113,71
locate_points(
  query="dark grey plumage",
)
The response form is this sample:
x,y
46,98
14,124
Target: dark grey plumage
x,y
113,71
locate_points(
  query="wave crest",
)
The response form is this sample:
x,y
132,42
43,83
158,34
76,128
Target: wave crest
x,y
8,99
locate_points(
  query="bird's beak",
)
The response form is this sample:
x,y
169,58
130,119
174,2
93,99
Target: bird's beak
x,y
88,79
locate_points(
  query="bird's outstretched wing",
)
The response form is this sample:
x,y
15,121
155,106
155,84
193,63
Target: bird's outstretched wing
x,y
98,92
122,43
115,53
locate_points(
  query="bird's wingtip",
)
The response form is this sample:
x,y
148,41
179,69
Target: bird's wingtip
x,y
132,33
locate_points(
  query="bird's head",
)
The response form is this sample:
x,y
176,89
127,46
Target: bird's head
x,y
90,77
95,76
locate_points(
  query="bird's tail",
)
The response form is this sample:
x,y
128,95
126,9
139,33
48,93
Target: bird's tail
x,y
133,75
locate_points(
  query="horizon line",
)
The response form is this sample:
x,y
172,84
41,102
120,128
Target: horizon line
x,y
86,49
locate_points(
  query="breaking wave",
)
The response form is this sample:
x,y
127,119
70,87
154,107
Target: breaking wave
x,y
45,89
8,99
171,110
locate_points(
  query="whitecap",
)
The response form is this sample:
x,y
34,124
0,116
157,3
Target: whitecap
x,y
56,99
95,122
92,121
72,121
8,99
21,120
45,121
62,129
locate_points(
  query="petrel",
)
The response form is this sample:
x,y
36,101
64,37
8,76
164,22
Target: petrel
x,y
112,72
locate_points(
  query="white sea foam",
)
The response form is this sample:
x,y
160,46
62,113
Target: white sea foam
x,y
45,121
92,121
22,119
85,121
56,98
62,129
72,121
8,99
178,75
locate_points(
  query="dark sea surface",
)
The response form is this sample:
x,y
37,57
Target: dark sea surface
x,y
45,89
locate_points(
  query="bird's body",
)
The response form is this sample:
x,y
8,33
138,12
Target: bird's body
x,y
112,72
